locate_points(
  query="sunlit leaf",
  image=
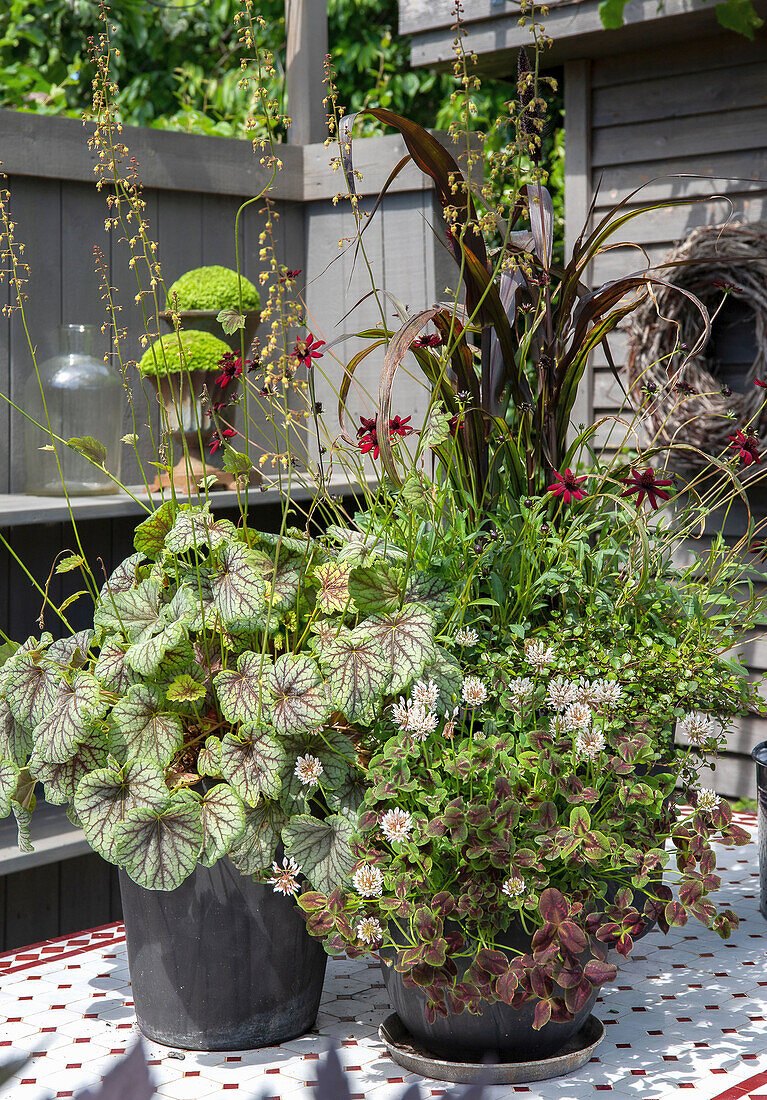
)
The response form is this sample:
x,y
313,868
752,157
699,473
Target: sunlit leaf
x,y
239,692
184,689
76,707
104,796
321,849
298,698
158,847
376,588
89,448
254,851
68,563
149,536
146,655
237,591
231,320
222,818
405,642
356,676
144,729
134,612
111,670
30,688
15,739
251,761
196,529
9,775
209,757
122,578
333,578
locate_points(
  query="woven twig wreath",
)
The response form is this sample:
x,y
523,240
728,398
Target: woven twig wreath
x,y
690,408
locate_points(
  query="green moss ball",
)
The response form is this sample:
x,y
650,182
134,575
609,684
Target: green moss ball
x,y
202,351
212,287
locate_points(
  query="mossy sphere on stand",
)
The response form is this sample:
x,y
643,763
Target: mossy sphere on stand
x,y
212,287
183,351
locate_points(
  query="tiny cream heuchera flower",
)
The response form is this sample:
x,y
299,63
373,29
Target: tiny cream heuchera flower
x,y
696,727
473,691
561,693
369,930
308,769
708,800
576,717
589,743
513,887
467,636
424,694
368,882
606,693
396,825
538,655
285,878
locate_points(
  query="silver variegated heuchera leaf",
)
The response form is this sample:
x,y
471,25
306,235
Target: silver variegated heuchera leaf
x,y
333,578
9,775
446,673
239,692
432,591
251,761
30,688
149,536
70,651
356,676
122,578
237,591
298,697
144,728
254,851
222,818
159,847
196,529
321,849
376,588
405,641
105,796
110,669
135,613
61,780
209,757
146,656
76,707
15,739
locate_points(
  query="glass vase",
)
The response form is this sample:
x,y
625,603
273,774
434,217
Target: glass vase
x,y
82,397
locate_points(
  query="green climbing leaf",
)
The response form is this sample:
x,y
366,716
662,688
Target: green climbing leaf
x,y
405,641
76,707
231,320
298,698
89,448
9,776
239,692
30,687
149,536
68,563
103,798
251,761
144,729
158,847
236,462
237,591
740,16
355,674
15,739
254,851
333,578
321,849
222,816
611,13
111,670
376,588
209,757
62,780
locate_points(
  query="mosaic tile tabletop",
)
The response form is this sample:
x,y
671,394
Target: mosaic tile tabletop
x,y
687,1016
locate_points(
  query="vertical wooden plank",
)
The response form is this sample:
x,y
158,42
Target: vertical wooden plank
x,y
37,207
577,96
306,26
84,893
32,905
5,374
218,217
3,937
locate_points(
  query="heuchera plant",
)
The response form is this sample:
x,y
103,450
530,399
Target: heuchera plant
x,y
224,701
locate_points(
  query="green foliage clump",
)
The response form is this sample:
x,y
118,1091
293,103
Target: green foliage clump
x,y
212,287
198,351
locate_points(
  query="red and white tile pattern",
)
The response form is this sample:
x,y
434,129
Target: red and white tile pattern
x,y
687,1016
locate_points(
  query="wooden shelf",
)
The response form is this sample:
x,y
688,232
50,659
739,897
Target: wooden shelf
x,y
53,835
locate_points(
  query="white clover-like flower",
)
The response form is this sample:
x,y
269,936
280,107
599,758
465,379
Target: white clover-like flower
x,y
584,692
606,694
399,711
473,691
368,882
697,728
420,721
467,636
396,825
513,887
284,880
425,694
521,690
560,693
576,717
448,730
538,655
708,800
308,769
369,930
589,743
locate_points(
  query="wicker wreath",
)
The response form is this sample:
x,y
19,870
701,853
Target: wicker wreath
x,y
690,406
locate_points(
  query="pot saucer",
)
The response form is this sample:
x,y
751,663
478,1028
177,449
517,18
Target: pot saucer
x,y
409,1054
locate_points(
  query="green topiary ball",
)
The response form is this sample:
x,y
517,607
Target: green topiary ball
x,y
212,287
201,352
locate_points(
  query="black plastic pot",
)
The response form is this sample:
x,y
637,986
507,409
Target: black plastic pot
x,y
499,1033
221,963
759,755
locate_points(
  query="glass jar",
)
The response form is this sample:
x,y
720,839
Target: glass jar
x,y
83,397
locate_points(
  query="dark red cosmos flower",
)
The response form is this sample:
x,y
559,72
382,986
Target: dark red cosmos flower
x,y
646,484
308,349
231,368
760,383
567,486
434,340
220,438
367,424
759,546
747,447
217,407
291,273
398,426
454,423
367,433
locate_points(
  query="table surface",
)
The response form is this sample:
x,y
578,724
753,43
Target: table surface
x,y
687,1016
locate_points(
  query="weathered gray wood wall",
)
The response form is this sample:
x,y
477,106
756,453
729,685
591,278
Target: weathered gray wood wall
x,y
637,118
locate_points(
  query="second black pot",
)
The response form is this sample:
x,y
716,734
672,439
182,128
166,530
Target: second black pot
x,y
221,963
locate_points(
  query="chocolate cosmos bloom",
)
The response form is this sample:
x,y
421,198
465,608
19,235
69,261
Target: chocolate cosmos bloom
x,y
567,486
220,438
747,447
646,484
231,368
432,341
308,349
